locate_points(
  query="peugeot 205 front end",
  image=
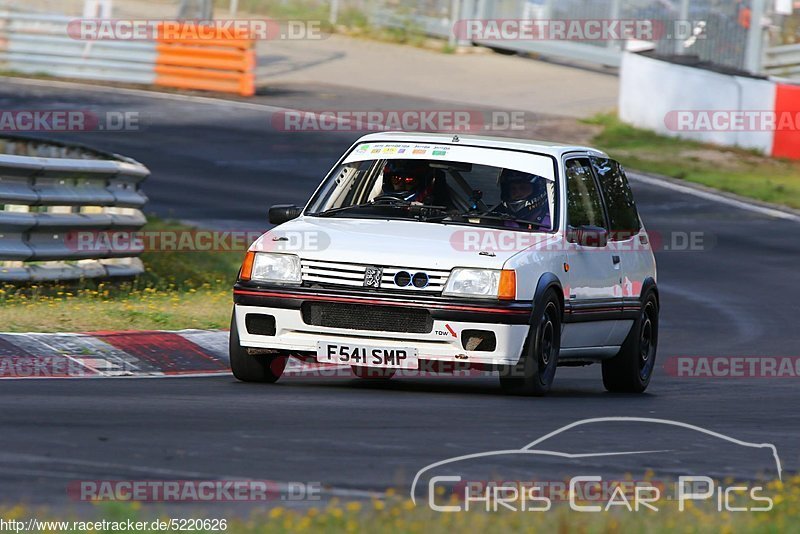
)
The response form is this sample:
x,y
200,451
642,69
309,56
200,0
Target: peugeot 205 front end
x,y
421,252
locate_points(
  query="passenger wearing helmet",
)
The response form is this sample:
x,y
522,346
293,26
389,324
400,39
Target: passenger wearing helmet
x,y
408,180
524,196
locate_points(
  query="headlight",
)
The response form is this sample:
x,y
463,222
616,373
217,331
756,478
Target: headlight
x,y
270,267
482,283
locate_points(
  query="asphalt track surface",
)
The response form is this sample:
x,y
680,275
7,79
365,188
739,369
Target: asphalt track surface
x,y
224,165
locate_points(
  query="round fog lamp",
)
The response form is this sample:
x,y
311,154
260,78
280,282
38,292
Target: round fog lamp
x,y
402,279
421,280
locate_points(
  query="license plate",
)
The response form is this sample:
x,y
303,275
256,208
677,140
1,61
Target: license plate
x,y
347,354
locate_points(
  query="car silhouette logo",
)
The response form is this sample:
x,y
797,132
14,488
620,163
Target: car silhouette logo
x,y
534,447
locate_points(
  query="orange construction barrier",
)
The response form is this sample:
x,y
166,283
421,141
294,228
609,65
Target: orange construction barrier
x,y
204,57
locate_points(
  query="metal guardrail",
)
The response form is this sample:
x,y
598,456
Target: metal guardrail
x,y
51,191
783,61
436,22
33,43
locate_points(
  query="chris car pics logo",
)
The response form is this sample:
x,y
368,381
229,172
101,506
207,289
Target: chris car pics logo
x,y
447,488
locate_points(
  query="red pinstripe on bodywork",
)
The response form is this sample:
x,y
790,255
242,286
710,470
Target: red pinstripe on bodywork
x,y
380,302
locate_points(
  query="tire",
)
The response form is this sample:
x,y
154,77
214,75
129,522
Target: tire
x,y
373,373
253,368
631,369
536,370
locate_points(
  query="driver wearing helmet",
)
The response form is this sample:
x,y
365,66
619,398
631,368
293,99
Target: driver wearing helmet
x,y
408,180
524,196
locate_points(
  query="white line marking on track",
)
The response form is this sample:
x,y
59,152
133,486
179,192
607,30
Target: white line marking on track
x,y
148,94
175,97
714,197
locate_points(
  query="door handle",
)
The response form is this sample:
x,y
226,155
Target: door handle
x,y
615,259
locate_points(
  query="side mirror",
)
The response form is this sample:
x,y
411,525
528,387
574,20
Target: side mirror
x,y
588,236
282,213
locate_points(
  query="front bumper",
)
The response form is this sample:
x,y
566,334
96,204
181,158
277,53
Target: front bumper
x,y
508,322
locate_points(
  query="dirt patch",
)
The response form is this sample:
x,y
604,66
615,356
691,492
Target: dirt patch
x,y
728,160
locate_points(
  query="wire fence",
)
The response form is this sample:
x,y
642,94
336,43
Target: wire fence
x,y
736,34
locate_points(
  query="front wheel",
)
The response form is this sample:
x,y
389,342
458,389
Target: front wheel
x,y
631,369
253,368
536,370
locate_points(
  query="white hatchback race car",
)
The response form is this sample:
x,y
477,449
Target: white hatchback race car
x,y
428,251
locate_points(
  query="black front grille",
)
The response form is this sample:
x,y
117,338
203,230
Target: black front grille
x,y
363,317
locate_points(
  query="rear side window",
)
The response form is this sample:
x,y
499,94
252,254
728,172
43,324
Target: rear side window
x,y
622,214
584,206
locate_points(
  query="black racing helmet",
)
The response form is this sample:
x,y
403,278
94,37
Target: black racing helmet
x,y
535,198
410,176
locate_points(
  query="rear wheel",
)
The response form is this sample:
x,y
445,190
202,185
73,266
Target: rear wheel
x,y
630,370
536,370
254,368
373,373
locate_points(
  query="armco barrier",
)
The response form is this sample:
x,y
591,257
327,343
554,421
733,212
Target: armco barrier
x,y
41,44
653,92
49,191
783,61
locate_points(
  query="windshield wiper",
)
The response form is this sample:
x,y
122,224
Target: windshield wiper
x,y
419,210
502,217
334,211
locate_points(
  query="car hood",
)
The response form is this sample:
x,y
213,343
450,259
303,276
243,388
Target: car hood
x,y
400,243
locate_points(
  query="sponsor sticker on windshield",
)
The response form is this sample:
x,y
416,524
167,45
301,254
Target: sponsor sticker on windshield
x,y
537,164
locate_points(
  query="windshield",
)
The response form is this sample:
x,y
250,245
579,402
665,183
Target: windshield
x,y
439,191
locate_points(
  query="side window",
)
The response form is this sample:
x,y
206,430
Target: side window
x,y
622,214
584,207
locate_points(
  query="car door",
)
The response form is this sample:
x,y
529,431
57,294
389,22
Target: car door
x,y
627,238
593,300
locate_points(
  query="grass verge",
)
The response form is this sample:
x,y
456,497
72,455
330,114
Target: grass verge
x,y
400,515
186,289
734,170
